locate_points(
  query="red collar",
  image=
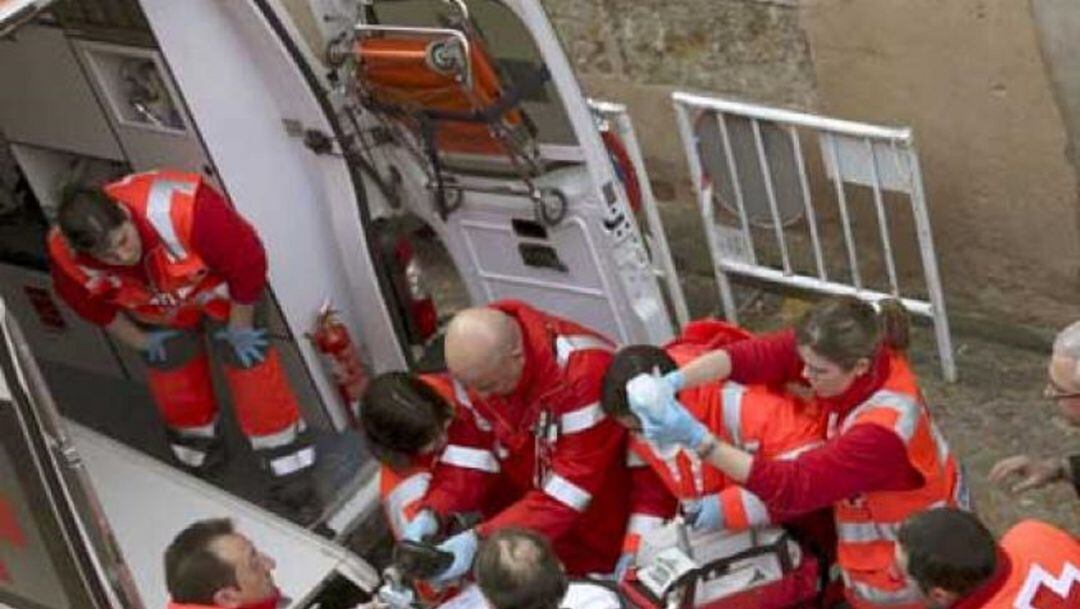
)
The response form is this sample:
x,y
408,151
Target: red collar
x,y
270,603
990,587
862,387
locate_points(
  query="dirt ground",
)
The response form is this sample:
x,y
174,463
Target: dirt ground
x,y
995,409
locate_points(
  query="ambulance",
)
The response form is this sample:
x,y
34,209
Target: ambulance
x,y
358,136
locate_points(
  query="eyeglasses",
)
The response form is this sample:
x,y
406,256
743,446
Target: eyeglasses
x,y
1055,393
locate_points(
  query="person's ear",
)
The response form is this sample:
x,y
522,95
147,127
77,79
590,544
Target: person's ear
x,y
228,597
862,366
941,597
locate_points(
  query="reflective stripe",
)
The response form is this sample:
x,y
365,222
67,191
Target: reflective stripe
x,y
565,346
634,460
198,431
731,396
158,208
756,513
865,532
904,405
188,455
221,290
907,594
290,464
567,493
275,440
581,419
407,491
795,452
470,458
939,443
640,524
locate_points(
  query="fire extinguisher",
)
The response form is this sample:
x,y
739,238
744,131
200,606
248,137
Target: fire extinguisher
x,y
332,340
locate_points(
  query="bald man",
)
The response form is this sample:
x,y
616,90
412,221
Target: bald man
x,y
1023,472
532,382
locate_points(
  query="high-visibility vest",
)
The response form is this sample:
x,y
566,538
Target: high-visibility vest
x,y
181,288
1044,570
401,492
752,418
867,524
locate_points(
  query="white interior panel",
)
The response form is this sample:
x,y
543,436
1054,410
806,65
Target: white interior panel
x,y
78,344
145,521
51,86
579,292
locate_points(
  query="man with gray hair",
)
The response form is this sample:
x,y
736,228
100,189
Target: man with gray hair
x,y
1063,388
517,569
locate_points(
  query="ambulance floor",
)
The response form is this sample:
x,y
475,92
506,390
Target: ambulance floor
x,y
124,411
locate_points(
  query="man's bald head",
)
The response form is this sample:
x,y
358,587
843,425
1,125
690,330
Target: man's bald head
x,y
484,350
1064,373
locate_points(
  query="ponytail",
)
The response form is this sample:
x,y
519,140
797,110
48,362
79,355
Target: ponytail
x,y
845,329
895,324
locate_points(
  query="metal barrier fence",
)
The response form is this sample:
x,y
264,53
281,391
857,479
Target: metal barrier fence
x,y
751,159
663,266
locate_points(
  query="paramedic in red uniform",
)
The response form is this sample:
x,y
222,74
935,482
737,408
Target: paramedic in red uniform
x,y
158,258
768,423
533,381
953,560
884,458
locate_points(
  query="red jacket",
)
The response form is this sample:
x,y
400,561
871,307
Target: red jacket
x,y
228,245
767,423
1038,568
865,458
552,449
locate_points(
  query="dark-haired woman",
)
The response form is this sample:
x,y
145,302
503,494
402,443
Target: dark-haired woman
x,y
884,459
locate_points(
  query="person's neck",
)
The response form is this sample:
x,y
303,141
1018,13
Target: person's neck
x,y
978,597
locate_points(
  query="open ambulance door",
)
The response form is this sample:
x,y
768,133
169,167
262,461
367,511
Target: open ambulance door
x,y
467,114
84,520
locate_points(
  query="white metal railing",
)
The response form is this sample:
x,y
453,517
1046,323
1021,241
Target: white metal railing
x,y
663,266
881,158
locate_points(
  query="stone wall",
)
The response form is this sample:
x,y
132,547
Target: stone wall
x,y
969,76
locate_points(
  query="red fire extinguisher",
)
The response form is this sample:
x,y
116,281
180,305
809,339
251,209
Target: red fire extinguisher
x,y
331,339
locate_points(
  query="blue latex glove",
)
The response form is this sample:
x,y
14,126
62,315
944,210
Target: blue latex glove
x,y
675,379
463,547
249,344
623,565
421,526
664,421
155,344
704,514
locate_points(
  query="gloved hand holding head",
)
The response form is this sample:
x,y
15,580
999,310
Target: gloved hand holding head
x,y
664,421
628,363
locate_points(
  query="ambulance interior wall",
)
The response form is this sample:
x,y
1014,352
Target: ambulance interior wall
x,y
984,85
53,126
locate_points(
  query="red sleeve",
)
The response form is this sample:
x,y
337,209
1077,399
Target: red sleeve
x,y
229,246
579,463
464,472
648,494
865,458
92,309
771,359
